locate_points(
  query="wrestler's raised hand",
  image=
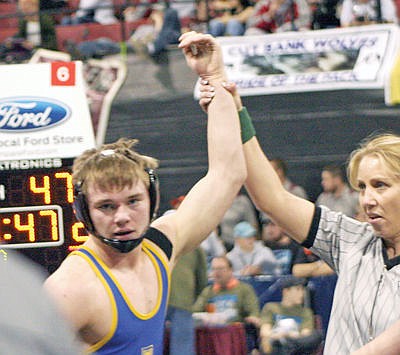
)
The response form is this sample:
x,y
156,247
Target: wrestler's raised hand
x,y
203,55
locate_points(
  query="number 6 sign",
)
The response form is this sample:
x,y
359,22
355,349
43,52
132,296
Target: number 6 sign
x,y
63,73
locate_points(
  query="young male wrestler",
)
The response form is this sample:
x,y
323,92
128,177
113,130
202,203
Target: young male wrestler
x,y
114,289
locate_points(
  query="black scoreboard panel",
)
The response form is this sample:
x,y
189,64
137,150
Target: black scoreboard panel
x,y
36,215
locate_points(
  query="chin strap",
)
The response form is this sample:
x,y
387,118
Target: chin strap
x,y
123,246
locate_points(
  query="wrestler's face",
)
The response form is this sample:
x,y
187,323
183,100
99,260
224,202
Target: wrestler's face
x,y
120,214
380,196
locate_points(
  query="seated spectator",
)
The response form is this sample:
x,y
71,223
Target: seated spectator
x,y
242,209
35,30
229,300
281,169
324,14
284,248
213,246
100,11
249,257
138,11
365,12
271,16
153,39
228,17
288,327
307,264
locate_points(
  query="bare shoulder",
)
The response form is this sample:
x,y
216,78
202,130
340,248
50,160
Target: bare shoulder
x,y
69,276
71,286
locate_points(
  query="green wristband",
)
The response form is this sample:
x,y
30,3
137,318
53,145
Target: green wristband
x,y
246,126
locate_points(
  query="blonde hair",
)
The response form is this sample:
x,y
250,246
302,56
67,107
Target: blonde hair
x,y
114,165
385,146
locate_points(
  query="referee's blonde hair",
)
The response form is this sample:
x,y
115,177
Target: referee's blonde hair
x,y
385,146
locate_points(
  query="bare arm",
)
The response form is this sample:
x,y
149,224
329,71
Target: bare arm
x,y
292,213
387,343
207,202
316,268
289,211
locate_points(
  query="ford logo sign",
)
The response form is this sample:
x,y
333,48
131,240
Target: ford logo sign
x,y
31,113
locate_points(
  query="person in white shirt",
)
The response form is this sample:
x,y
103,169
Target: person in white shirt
x,y
249,257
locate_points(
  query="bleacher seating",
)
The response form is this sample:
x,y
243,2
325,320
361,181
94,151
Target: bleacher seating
x,y
92,31
8,18
7,32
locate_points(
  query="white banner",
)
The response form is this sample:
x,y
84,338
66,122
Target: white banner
x,y
341,58
43,111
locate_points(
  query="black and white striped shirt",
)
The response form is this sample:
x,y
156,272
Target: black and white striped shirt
x,y
367,294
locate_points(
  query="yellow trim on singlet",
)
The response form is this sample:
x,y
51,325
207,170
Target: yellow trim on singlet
x,y
114,320
163,260
146,247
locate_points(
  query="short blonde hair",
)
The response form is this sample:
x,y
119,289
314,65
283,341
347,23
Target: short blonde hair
x,y
384,146
114,165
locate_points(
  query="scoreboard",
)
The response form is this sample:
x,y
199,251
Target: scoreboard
x,y
36,214
44,124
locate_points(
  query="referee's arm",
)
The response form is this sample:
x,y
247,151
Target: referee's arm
x,y
387,343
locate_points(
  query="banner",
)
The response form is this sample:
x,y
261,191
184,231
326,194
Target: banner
x,y
332,59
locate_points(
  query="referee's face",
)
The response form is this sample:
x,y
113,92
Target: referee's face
x,y
380,196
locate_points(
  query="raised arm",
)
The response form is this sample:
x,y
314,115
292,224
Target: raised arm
x,y
207,202
292,213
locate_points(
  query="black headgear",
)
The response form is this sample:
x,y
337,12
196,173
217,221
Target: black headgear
x,y
81,210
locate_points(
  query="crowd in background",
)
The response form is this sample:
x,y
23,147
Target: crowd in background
x,y
158,24
248,245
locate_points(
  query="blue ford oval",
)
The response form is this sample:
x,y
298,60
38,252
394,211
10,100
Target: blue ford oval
x,y
31,113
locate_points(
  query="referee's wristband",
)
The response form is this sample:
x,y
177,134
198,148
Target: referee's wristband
x,y
246,126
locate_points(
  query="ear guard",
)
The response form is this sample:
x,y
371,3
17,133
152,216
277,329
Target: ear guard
x,y
81,207
154,193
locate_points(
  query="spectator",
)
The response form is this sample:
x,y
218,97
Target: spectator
x,y
242,209
140,10
281,169
35,30
273,236
228,17
100,11
284,248
250,257
324,14
152,39
337,195
271,16
188,279
307,264
229,300
365,12
288,327
213,246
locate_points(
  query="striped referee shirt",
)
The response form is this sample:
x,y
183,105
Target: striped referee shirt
x,y
367,294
